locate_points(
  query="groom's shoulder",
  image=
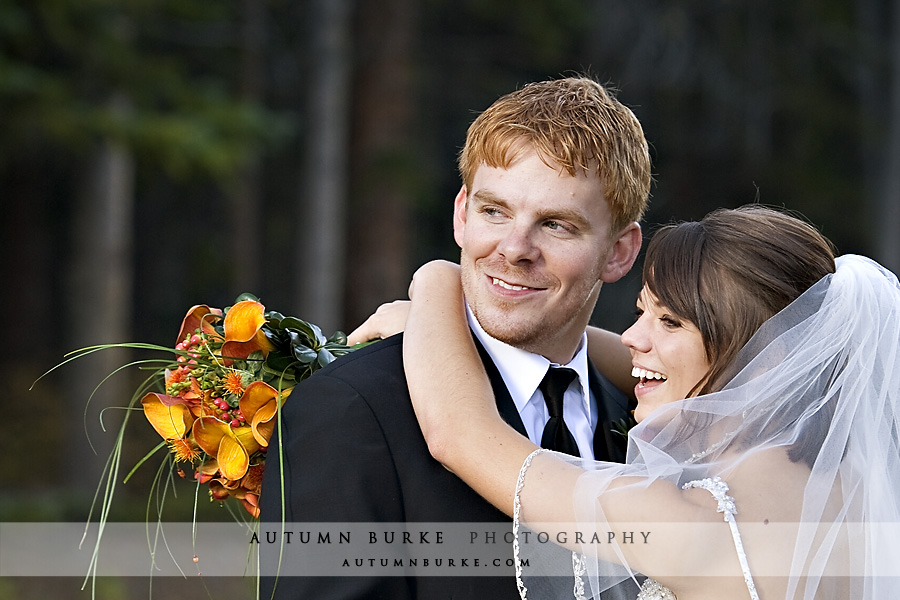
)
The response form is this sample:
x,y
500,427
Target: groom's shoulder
x,y
378,361
386,350
369,381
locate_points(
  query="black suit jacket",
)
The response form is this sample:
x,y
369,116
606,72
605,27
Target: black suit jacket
x,y
353,452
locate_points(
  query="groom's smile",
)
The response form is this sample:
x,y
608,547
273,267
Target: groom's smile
x,y
511,286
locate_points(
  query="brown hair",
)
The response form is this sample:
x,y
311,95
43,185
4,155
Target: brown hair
x,y
573,123
731,272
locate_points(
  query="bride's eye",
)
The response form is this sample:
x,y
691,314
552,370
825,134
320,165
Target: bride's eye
x,y
670,321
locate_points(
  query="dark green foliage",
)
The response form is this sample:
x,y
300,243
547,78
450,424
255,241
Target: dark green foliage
x,y
154,76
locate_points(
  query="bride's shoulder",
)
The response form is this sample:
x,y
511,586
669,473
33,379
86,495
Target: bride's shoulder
x,y
767,465
767,480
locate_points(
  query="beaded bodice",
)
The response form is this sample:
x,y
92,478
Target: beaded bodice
x,y
654,590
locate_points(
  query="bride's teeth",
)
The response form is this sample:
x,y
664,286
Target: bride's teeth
x,y
645,374
506,286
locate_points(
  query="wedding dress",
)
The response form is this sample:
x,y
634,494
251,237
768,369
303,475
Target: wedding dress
x,y
817,387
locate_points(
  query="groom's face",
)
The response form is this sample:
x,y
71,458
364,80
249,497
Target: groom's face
x,y
536,248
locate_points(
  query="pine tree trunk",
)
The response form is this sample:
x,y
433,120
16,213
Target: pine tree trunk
x,y
321,228
246,199
888,207
384,161
99,300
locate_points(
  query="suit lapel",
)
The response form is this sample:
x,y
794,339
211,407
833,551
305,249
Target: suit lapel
x,y
612,407
505,405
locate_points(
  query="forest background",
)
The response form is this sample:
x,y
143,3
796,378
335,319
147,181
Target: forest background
x,y
156,154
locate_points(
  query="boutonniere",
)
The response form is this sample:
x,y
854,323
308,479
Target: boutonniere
x,y
624,425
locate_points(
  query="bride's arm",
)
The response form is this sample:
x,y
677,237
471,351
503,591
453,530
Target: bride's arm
x,y
462,428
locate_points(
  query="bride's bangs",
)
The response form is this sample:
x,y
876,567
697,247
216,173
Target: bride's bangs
x,y
672,270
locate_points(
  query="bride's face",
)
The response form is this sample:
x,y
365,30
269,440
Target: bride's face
x,y
667,355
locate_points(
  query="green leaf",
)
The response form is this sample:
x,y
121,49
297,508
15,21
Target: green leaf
x,y
246,378
338,350
278,364
324,357
298,338
318,335
246,296
338,337
275,337
304,354
300,326
274,319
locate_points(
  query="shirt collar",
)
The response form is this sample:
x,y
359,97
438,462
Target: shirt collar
x,y
522,371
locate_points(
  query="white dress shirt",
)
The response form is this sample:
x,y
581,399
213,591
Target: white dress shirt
x,y
522,373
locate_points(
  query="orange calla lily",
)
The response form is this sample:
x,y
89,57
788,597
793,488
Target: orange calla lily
x,y
198,317
170,416
250,502
207,471
243,330
230,446
246,490
259,405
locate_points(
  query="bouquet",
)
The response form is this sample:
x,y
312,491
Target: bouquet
x,y
219,395
233,369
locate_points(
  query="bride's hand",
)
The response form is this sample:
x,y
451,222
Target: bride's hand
x,y
390,318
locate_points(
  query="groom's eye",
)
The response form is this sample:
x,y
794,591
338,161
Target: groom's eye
x,y
558,227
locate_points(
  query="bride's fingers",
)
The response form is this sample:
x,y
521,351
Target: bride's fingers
x,y
389,319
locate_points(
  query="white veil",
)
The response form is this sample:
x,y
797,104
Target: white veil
x,y
819,383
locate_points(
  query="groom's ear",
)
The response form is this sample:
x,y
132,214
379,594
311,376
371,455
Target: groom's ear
x,y
622,254
459,214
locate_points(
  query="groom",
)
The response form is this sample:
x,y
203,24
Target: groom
x,y
555,177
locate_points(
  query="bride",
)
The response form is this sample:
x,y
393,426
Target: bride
x,y
766,461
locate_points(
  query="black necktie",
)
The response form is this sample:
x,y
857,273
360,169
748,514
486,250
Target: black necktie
x,y
556,435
